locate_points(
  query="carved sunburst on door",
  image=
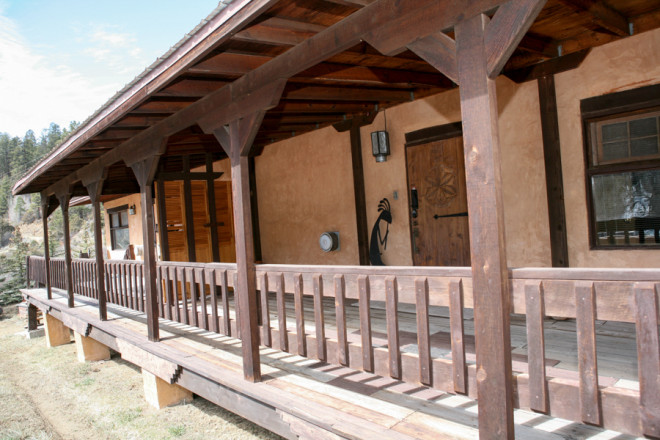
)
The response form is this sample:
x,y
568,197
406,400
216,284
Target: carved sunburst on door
x,y
441,187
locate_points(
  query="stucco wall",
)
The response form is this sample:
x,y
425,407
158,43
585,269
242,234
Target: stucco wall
x,y
305,188
134,222
305,184
623,65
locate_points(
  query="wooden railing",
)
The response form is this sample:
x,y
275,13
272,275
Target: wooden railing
x,y
201,295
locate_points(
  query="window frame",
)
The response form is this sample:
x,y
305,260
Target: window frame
x,y
611,107
116,210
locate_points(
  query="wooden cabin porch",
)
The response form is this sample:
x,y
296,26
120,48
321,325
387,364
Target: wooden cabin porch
x,y
386,352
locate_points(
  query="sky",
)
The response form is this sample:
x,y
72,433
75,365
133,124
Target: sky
x,y
61,60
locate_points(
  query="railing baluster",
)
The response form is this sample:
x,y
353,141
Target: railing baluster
x,y
202,296
265,312
300,314
168,291
213,290
585,302
340,312
281,313
225,303
117,283
365,323
423,339
459,366
535,310
237,307
174,273
648,353
131,290
392,314
184,293
319,320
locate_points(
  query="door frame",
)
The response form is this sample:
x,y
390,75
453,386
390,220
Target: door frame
x,y
420,137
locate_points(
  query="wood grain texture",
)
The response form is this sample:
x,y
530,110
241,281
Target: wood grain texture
x,y
538,387
266,334
648,352
281,313
423,334
585,301
365,323
343,353
319,318
457,336
487,242
392,316
300,314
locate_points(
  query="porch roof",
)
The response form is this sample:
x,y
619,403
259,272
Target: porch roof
x,y
241,36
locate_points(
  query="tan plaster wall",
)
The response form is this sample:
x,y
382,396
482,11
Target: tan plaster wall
x,y
626,64
134,222
305,188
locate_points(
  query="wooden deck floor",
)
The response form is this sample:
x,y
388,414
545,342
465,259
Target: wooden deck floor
x,y
302,398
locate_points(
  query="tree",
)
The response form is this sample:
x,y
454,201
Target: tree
x,y
5,195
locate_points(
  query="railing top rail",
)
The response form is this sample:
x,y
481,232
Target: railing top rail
x,y
587,274
226,266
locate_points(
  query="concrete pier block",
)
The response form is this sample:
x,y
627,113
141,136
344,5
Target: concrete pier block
x,y
56,332
161,394
89,349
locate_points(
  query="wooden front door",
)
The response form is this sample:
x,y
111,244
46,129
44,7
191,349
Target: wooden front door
x,y
439,222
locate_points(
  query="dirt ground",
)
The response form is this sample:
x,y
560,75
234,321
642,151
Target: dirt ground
x,y
47,394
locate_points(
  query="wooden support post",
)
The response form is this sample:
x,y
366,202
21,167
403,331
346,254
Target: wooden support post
x,y
553,171
236,133
44,220
188,213
64,196
144,170
161,394
90,350
162,221
213,220
353,126
95,188
486,215
56,332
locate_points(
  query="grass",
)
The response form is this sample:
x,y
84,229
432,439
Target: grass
x,y
177,431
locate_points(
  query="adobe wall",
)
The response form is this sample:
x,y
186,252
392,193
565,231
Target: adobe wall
x,y
305,184
623,65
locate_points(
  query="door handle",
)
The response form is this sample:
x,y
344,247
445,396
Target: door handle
x,y
414,201
460,214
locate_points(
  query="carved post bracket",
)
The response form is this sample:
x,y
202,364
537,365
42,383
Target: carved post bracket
x,y
47,206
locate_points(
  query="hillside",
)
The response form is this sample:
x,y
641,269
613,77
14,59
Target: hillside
x,y
21,232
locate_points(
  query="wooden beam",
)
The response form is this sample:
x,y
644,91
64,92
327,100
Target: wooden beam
x,y
553,171
546,68
188,212
602,15
191,88
162,221
145,171
353,126
95,189
438,50
507,28
210,195
371,75
44,221
487,244
63,194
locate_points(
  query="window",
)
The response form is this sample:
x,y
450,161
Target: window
x,y
622,146
119,227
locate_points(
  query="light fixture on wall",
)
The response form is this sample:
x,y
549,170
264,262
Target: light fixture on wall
x,y
380,143
131,210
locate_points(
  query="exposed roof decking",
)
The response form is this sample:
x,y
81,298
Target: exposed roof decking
x,y
246,35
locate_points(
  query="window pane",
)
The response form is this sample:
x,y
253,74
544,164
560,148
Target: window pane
x,y
124,218
615,132
615,150
643,127
121,238
114,220
644,146
627,208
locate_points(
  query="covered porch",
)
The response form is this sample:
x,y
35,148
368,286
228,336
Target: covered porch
x,y
262,72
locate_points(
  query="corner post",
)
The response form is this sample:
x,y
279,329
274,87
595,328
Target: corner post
x,y
94,189
44,220
64,196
